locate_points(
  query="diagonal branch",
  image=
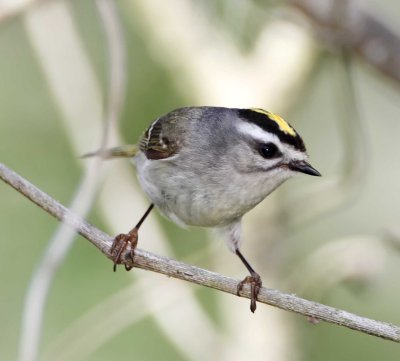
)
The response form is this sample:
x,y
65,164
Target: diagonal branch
x,y
171,268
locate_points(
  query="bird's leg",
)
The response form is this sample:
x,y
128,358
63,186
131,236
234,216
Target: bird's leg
x,y
254,280
122,241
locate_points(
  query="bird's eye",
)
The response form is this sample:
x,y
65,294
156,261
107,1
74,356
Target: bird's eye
x,y
269,150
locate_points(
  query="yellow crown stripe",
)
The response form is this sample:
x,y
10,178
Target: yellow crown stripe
x,y
283,125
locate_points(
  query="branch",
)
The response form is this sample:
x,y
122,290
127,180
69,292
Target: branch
x,y
151,262
359,27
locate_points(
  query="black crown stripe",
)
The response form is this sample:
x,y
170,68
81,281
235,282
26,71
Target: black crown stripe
x,y
261,119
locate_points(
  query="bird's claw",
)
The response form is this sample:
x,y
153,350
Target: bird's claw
x,y
120,244
255,283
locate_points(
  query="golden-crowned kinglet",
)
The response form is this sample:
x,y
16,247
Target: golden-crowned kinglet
x,y
208,166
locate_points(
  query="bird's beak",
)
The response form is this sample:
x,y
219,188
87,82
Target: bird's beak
x,y
304,167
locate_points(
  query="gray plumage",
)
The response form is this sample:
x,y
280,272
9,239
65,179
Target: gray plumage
x,y
201,166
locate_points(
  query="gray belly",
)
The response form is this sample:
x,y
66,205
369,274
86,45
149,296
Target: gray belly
x,y
192,198
184,197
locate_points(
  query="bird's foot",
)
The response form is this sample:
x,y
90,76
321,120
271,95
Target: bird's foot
x,y
255,283
120,245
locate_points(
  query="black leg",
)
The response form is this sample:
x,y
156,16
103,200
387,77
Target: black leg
x,y
254,280
144,216
244,260
122,241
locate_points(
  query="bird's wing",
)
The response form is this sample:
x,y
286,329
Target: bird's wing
x,y
161,140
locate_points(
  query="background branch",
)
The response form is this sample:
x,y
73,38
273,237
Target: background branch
x,y
37,22
152,262
358,26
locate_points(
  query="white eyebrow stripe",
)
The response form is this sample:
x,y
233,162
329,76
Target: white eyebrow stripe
x,y
296,154
257,133
263,136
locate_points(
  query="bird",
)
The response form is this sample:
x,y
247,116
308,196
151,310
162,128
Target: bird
x,y
208,166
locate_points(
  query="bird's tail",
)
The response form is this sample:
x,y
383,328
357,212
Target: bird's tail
x,y
123,151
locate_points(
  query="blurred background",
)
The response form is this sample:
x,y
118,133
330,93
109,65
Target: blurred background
x,y
78,75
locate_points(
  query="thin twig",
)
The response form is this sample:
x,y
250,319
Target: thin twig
x,y
116,63
149,261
